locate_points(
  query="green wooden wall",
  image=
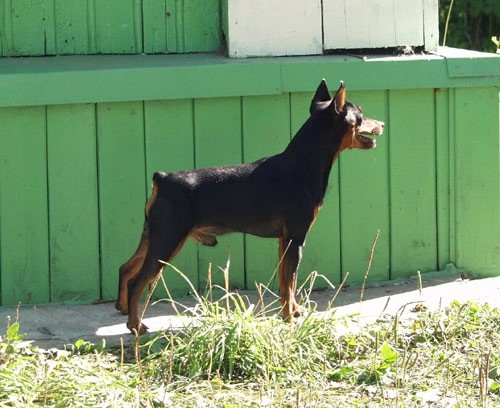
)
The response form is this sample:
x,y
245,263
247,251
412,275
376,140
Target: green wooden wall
x,y
73,27
81,135
74,179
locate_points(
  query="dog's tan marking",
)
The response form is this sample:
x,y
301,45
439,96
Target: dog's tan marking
x,y
152,197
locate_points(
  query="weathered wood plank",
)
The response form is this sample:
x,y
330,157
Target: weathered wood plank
x,y
73,35
477,186
364,198
24,250
412,182
179,26
118,26
32,27
201,25
443,182
73,209
122,187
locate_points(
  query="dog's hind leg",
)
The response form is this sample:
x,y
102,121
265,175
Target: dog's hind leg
x,y
129,270
290,253
168,230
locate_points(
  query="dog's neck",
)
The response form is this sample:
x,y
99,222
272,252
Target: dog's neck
x,y
314,149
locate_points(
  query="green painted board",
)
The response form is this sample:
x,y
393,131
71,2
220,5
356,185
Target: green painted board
x,y
322,249
118,26
73,32
24,235
266,131
115,78
412,161
122,187
155,26
452,176
364,198
61,27
181,26
170,147
201,25
31,27
218,141
4,48
477,186
443,155
73,209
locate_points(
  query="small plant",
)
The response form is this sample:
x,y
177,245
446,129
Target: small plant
x,y
10,341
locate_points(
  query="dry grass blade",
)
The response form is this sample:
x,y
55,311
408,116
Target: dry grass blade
x,y
368,268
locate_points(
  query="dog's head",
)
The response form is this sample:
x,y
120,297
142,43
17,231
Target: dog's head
x,y
355,130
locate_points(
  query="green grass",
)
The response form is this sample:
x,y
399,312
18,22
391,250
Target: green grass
x,y
239,355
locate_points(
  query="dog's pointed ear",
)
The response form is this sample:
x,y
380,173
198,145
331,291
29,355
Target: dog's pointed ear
x,y
321,95
339,99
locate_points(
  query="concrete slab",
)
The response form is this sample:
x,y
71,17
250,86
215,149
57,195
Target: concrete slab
x,y
54,326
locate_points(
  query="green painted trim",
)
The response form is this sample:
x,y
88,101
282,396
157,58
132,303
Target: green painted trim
x,y
116,78
462,63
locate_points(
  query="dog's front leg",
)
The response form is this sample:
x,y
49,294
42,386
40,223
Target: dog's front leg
x,y
290,254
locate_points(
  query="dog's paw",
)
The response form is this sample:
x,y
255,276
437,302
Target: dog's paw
x,y
137,329
298,310
292,312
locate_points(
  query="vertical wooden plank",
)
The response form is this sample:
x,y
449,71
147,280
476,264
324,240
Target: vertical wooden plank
x,y
122,190
452,175
118,26
201,29
443,176
218,142
266,131
155,17
24,249
73,212
5,31
32,27
322,249
71,27
477,186
92,26
431,24
408,26
49,29
170,147
412,182
174,26
364,198
181,26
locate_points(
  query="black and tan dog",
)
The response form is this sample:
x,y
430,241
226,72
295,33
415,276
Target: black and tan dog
x,y
274,197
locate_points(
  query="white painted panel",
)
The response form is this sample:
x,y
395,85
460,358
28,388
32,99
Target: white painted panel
x,y
372,24
273,27
431,25
408,22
